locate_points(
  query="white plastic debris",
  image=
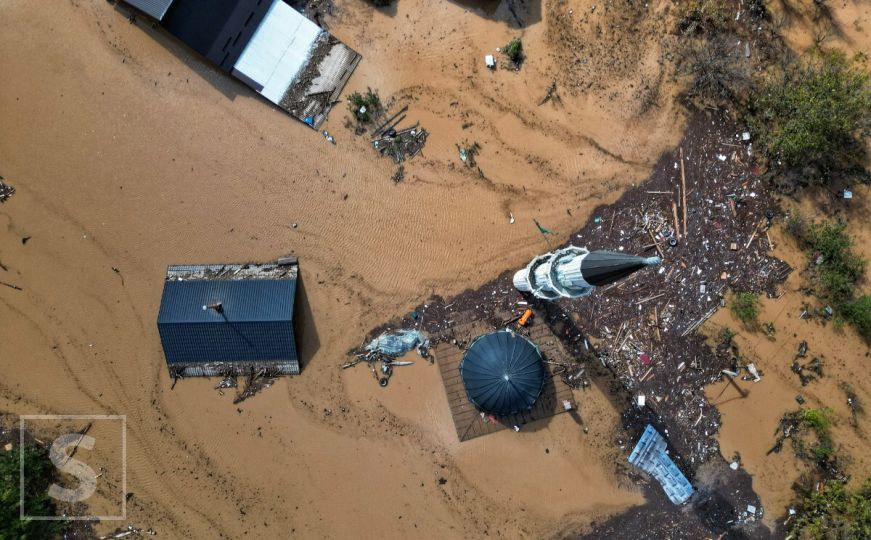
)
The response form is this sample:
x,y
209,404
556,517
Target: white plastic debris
x,y
734,465
721,157
751,509
745,136
751,368
848,194
641,400
489,61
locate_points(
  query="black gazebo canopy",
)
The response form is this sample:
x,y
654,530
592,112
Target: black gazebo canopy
x,y
502,372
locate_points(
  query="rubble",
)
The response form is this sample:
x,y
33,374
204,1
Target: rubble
x,y
647,325
6,190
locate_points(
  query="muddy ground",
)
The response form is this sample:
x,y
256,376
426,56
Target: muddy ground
x,y
127,152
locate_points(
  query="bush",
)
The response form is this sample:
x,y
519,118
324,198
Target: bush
x,y
514,50
817,113
380,3
820,420
357,102
727,335
717,74
39,474
836,268
745,307
858,313
705,16
832,512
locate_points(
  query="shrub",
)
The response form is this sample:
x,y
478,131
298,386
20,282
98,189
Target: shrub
x,y
745,307
858,313
817,113
820,420
832,512
840,268
514,50
380,3
39,474
705,16
371,102
727,335
717,74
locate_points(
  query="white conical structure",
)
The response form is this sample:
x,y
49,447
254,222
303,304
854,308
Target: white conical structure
x,y
573,272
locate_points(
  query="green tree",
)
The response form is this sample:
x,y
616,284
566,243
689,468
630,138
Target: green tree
x,y
38,475
833,512
816,113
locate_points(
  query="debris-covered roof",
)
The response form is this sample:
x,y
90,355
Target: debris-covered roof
x,y
215,272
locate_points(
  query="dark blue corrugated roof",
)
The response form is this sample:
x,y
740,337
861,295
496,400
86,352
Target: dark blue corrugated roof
x,y
249,300
502,373
255,322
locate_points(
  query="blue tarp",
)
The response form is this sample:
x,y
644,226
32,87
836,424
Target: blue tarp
x,y
397,343
650,456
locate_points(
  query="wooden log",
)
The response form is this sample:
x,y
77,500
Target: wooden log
x,y
683,184
676,223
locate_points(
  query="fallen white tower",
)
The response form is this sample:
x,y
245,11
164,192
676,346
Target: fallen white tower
x,y
573,272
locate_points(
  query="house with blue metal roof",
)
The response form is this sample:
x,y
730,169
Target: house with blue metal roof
x,y
229,319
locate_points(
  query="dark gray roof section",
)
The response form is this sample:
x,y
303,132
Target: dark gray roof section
x,y
502,373
154,8
251,300
253,327
217,29
604,267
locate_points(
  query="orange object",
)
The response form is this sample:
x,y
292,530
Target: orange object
x,y
525,317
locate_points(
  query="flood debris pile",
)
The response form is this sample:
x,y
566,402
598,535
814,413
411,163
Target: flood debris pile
x,y
707,220
400,144
6,190
707,216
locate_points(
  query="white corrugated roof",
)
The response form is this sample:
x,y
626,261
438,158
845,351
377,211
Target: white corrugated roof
x,y
278,50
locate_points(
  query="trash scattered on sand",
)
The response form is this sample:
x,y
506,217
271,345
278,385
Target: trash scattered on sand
x,y
386,348
6,190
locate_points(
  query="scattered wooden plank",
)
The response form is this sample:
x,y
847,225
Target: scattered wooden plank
x,y
683,184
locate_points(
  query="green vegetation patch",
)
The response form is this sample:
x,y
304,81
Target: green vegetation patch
x,y
815,113
835,270
833,512
745,307
514,50
38,475
364,107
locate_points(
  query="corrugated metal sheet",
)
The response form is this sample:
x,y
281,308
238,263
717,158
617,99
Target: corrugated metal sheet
x,y
255,323
227,341
155,8
278,51
252,300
